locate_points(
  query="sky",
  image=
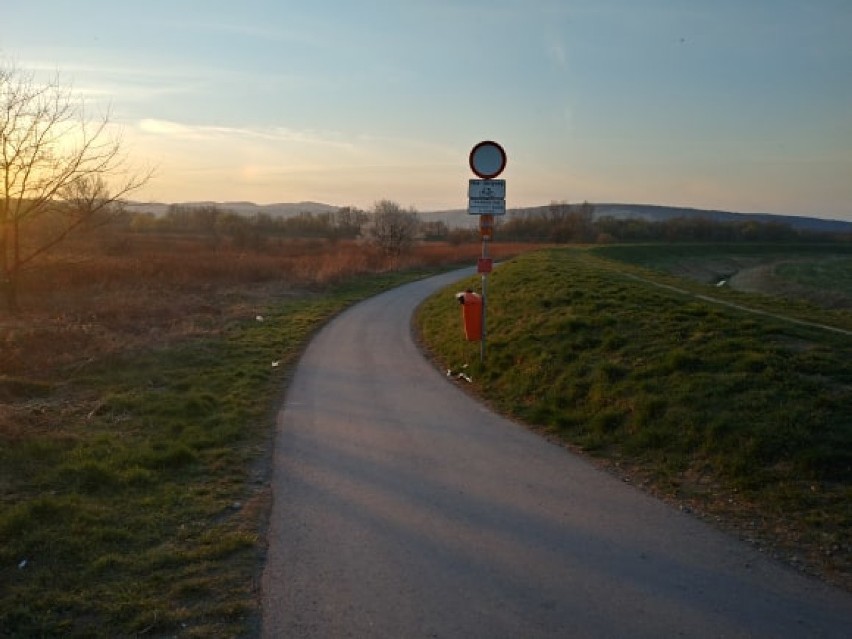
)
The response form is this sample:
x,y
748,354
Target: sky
x,y
740,105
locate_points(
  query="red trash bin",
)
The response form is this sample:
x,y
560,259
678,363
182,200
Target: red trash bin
x,y
471,306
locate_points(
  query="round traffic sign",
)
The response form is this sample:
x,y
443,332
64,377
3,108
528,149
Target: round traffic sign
x,y
487,159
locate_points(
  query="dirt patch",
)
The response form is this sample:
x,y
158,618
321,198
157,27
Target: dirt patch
x,y
711,270
765,280
756,279
758,275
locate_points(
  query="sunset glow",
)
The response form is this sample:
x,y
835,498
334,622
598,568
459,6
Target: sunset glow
x,y
728,105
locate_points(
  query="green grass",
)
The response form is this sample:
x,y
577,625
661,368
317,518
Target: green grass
x,y
140,512
704,400
661,256
810,282
834,275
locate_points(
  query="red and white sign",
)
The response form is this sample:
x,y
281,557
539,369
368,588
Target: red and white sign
x,y
486,226
484,265
487,159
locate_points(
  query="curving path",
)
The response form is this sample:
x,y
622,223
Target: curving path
x,y
405,509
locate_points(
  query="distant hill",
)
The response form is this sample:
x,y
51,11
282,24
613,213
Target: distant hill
x,y
243,208
456,218
459,218
655,213
662,213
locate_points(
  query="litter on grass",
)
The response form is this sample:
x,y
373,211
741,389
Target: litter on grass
x,y
460,375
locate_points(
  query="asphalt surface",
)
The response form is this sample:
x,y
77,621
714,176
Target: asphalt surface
x,y
404,508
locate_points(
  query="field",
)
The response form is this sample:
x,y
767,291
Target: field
x,y
731,404
137,398
815,273
138,390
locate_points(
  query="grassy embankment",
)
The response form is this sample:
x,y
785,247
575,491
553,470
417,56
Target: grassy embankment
x,y
743,418
137,402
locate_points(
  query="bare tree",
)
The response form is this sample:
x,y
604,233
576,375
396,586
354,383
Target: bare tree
x,y
558,212
61,172
571,223
348,221
393,229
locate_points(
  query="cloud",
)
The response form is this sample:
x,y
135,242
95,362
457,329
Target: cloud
x,y
203,132
202,161
124,82
299,147
168,129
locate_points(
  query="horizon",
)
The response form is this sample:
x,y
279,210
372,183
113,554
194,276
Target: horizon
x,y
739,107
463,210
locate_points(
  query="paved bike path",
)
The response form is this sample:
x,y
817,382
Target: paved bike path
x,y
404,508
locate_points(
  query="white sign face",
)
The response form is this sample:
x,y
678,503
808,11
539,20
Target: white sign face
x,y
487,159
486,206
485,189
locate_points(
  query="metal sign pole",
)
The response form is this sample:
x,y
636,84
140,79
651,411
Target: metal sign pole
x,y
486,198
484,302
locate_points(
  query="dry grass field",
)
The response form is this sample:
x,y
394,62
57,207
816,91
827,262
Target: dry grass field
x,y
112,295
121,293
